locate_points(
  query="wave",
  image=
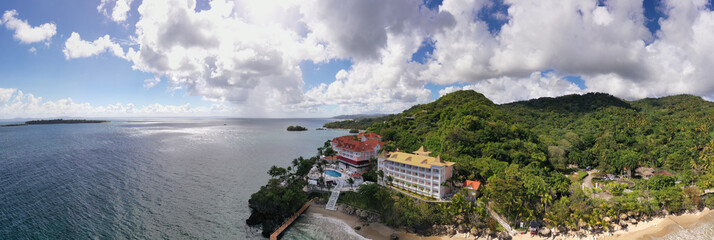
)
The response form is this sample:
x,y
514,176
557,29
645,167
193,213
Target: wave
x,y
701,230
318,227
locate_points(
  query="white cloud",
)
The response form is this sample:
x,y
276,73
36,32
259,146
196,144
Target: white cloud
x,y
6,94
26,33
32,50
75,47
151,82
248,52
119,12
507,89
27,105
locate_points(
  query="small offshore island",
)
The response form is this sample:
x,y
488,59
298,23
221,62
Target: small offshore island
x,y
576,166
55,121
296,128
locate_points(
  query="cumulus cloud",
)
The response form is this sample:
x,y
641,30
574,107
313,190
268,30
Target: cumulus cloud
x,y
118,12
506,89
6,94
248,52
75,47
26,33
28,105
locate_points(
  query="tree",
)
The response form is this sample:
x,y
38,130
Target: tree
x,y
275,171
660,181
321,182
351,182
390,179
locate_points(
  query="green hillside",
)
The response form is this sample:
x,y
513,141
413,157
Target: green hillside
x,y
522,150
530,155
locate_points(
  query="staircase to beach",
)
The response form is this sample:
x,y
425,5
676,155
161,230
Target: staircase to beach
x,y
500,220
335,194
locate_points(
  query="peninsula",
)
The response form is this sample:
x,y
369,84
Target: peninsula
x,y
55,121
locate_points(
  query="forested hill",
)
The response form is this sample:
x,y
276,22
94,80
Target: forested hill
x,y
573,103
525,148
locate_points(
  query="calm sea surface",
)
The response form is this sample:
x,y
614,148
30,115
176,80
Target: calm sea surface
x,y
148,179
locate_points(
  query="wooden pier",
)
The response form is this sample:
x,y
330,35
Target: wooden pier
x,y
287,223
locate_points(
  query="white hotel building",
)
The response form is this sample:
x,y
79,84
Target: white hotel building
x,y
417,172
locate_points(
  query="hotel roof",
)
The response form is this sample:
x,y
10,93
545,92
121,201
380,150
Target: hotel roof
x,y
418,160
369,135
348,142
422,152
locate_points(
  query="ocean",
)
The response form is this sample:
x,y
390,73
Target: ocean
x,y
172,178
149,178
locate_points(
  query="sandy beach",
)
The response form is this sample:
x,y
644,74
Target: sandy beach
x,y
662,226
657,227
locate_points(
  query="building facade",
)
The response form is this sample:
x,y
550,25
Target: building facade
x,y
355,151
417,172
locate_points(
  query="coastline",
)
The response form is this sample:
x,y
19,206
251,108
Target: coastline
x,y
662,226
655,228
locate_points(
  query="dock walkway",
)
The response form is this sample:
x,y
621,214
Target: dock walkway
x,y
287,223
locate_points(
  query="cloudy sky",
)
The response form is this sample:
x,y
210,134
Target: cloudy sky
x,y
314,58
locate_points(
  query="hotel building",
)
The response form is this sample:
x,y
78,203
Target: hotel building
x,y
418,172
355,151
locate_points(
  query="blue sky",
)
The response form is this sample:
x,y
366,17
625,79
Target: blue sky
x,y
100,80
325,60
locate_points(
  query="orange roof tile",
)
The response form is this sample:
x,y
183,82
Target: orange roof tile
x,y
348,142
473,184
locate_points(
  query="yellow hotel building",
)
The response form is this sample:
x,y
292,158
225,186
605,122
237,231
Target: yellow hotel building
x,y
418,172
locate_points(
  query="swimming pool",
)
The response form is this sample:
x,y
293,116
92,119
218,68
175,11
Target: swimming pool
x,y
333,173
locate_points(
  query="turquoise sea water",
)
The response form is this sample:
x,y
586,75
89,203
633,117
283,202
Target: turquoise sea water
x,y
145,179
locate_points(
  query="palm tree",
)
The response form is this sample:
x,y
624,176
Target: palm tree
x,y
351,182
296,162
321,182
390,179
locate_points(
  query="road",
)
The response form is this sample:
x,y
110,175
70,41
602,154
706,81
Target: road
x,y
588,181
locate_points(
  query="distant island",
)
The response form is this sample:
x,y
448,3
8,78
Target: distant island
x,y
54,121
297,128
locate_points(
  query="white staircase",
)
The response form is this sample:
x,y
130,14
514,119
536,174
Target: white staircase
x,y
502,222
335,194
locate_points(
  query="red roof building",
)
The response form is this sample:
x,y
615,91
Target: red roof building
x,y
356,150
472,187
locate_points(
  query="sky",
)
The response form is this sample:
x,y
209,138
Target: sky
x,y
320,58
